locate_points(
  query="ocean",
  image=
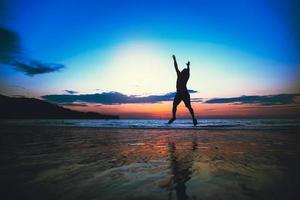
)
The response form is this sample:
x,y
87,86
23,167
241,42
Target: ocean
x,y
160,123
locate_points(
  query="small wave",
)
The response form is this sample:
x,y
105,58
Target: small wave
x,y
162,124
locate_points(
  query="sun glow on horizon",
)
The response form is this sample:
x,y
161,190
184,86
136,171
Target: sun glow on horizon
x,y
139,68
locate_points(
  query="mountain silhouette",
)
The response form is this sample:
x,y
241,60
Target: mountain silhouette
x,y
31,108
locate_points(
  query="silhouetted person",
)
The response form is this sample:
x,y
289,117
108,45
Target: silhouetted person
x,y
182,93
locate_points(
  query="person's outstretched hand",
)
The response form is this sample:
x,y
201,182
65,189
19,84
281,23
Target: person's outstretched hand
x,y
188,63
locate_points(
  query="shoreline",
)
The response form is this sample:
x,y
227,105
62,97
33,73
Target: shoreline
x,y
198,128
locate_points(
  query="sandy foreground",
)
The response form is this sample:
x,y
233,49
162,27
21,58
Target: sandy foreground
x,y
93,163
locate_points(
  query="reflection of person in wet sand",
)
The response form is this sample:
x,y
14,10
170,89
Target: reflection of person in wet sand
x,y
181,170
182,93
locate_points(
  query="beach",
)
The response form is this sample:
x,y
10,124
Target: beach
x,y
69,162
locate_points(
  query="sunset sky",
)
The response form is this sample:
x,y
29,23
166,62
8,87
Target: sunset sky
x,y
116,56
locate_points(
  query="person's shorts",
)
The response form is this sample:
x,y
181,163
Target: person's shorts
x,y
182,96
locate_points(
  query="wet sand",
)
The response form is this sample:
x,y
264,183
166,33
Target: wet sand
x,y
93,163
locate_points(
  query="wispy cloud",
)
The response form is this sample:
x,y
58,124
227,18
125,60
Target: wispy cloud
x,y
280,99
71,91
34,67
11,54
10,45
109,98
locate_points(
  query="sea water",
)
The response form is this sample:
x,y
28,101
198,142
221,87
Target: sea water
x,y
160,123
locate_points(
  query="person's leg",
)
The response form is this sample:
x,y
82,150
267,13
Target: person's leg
x,y
176,101
187,102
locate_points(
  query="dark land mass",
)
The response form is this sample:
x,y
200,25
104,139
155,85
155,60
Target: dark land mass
x,y
31,108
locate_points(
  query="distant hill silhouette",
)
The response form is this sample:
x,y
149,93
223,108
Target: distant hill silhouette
x,y
30,108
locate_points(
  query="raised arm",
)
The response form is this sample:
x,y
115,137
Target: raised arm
x,y
175,65
188,65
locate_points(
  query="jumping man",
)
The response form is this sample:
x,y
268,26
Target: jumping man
x,y
182,93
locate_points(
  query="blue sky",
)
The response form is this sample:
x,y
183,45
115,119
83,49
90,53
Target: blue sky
x,y
252,44
67,28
